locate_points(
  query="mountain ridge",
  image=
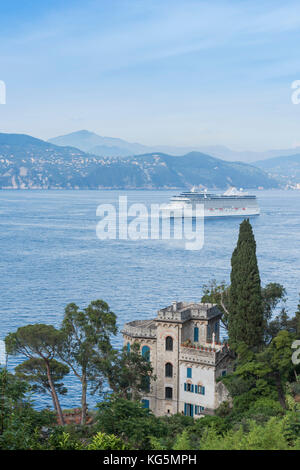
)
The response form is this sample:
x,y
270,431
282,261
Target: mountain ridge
x,y
112,147
30,163
284,169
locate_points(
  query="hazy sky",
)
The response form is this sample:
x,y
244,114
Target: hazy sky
x,y
184,72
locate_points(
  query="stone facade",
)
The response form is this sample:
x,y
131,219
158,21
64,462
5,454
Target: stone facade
x,y
184,348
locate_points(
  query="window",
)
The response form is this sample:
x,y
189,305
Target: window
x,y
145,403
223,373
188,387
168,370
146,352
189,372
199,409
188,409
208,332
200,389
146,383
168,392
216,327
169,343
128,347
196,334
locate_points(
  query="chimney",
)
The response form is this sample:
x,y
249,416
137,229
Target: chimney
x,y
174,306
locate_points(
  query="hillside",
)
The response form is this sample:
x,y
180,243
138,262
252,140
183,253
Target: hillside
x,y
285,169
114,147
29,163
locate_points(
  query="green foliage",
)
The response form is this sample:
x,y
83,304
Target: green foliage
x,y
218,294
20,422
13,390
61,440
36,340
281,322
265,406
261,415
34,372
273,435
129,421
86,346
183,442
272,294
246,319
129,373
102,441
262,374
173,426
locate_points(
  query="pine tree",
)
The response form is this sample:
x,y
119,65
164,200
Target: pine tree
x,y
246,318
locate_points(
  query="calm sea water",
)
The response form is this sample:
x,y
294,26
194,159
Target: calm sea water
x,y
50,256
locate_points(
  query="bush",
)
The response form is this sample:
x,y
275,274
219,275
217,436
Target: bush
x,y
274,435
61,440
129,421
102,441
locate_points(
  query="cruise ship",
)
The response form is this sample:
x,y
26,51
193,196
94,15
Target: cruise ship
x,y
232,203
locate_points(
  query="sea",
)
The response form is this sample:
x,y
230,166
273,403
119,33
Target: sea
x,y
51,256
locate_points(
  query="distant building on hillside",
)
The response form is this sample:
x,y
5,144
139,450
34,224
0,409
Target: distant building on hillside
x,y
183,345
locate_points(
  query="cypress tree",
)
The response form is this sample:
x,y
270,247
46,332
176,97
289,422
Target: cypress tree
x,y
246,319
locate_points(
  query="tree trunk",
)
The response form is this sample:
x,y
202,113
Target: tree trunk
x,y
54,396
280,391
83,399
54,403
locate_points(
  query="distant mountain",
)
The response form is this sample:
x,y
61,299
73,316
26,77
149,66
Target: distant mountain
x,y
30,163
96,144
285,169
114,147
249,156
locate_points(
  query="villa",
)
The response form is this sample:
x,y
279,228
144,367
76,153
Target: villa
x,y
183,345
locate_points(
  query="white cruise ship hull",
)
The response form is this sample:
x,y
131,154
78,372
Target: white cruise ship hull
x,y
175,212
202,204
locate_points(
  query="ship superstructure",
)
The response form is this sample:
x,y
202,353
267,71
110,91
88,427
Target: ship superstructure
x,y
231,203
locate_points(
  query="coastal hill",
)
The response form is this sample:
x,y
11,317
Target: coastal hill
x,y
30,163
285,169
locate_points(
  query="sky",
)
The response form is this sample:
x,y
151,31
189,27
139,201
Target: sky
x,y
170,72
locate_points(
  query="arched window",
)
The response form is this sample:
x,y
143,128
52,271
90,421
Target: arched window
x,y
169,343
168,370
168,392
146,352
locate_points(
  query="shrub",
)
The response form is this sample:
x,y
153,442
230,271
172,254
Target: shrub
x,y
103,441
